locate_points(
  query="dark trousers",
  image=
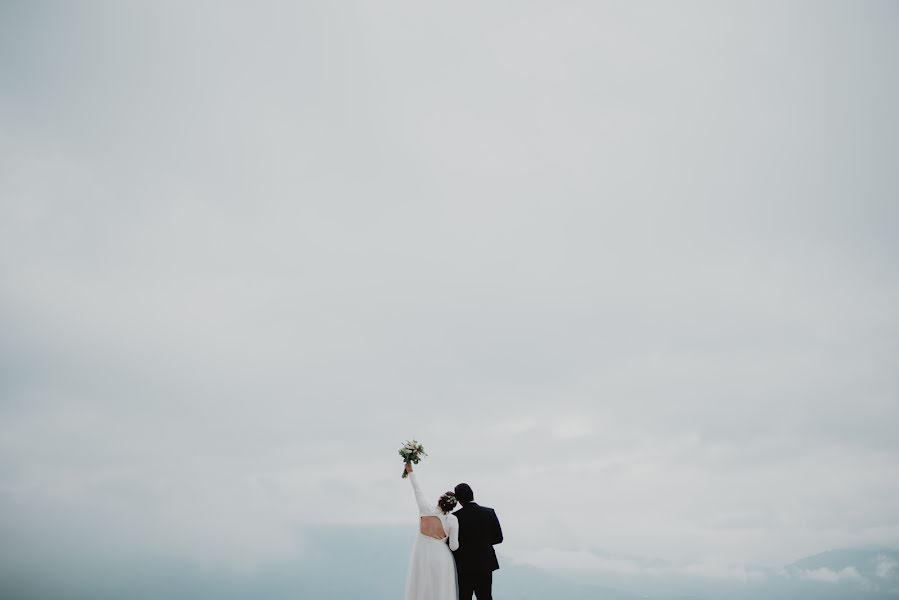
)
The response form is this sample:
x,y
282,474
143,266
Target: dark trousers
x,y
478,583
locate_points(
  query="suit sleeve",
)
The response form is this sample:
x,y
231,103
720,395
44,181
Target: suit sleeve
x,y
497,537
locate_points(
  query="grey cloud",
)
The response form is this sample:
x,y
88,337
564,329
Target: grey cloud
x,y
632,263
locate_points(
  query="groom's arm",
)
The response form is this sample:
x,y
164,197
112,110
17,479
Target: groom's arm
x,y
497,537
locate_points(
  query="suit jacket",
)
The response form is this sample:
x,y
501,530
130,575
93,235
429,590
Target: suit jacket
x,y
479,530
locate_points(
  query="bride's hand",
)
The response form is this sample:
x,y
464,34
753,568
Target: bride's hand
x,y
408,467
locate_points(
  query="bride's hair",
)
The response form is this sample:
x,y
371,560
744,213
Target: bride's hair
x,y
447,502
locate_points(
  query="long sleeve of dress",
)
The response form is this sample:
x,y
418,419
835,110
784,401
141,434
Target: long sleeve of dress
x,y
423,508
453,532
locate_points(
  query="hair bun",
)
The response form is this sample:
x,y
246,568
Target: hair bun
x,y
447,501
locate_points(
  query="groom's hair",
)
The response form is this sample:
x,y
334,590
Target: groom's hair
x,y
464,493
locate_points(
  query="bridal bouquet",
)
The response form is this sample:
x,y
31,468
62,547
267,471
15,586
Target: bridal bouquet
x,y
412,452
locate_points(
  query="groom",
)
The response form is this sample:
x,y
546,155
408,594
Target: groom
x,y
476,560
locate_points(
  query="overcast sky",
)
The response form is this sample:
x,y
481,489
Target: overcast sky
x,y
627,268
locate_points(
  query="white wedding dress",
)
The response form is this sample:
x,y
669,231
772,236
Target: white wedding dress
x,y
432,570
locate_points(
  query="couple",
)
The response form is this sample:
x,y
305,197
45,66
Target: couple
x,y
470,532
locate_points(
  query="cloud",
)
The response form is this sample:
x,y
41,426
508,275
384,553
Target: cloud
x,y
552,558
586,561
826,575
885,567
628,271
572,428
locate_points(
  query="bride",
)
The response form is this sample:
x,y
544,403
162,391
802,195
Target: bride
x,y
432,570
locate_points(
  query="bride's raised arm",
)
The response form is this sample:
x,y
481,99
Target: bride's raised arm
x,y
423,508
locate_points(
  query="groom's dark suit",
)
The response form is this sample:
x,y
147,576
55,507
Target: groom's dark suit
x,y
475,559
